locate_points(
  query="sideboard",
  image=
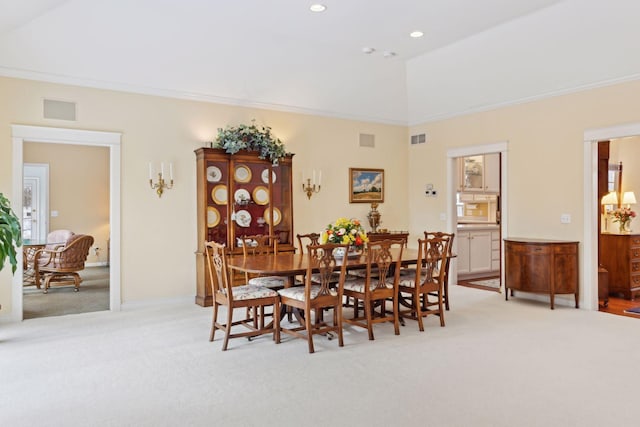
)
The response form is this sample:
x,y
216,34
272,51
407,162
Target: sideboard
x,y
541,266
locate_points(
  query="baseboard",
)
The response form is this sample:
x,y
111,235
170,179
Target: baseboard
x,y
96,264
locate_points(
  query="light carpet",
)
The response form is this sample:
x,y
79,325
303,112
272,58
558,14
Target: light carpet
x,y
496,363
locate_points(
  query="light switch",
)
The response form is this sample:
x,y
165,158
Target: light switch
x,y
565,218
54,214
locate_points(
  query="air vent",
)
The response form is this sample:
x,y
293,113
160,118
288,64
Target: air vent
x,y
59,110
420,138
367,140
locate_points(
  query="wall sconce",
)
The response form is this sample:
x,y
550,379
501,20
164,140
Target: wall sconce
x,y
628,198
311,187
160,185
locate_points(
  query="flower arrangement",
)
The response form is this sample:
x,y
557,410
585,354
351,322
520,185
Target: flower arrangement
x,y
251,138
345,231
623,216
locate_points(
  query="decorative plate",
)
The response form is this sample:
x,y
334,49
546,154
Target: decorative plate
x,y
277,216
242,174
261,195
213,216
243,218
219,194
242,196
214,174
265,176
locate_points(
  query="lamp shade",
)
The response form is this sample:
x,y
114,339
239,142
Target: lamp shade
x,y
610,198
628,198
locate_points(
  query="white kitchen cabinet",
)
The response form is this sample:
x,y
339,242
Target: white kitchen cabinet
x,y
479,173
475,254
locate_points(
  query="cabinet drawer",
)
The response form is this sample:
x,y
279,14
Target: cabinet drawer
x,y
635,241
635,267
495,245
530,249
634,253
634,282
567,249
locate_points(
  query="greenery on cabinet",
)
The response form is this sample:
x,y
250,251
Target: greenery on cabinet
x,y
251,138
10,234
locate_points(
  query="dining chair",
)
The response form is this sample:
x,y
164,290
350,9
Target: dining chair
x,y
262,244
315,297
374,290
415,289
445,287
232,297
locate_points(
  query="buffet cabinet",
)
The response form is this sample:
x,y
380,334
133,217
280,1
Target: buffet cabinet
x,y
541,266
240,195
620,256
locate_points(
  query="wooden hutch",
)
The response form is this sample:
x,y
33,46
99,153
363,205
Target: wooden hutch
x,y
240,195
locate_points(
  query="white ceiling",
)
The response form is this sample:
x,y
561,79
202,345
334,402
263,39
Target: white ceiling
x,y
476,54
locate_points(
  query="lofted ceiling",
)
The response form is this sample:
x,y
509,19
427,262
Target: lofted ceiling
x,y
474,55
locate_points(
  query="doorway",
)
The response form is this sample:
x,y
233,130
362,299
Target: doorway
x,y
49,135
453,155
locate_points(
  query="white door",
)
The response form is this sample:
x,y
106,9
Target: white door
x,y
34,202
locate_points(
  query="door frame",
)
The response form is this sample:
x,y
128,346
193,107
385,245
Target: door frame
x,y
589,271
452,215
41,134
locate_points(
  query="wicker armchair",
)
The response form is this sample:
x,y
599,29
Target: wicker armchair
x,y
61,265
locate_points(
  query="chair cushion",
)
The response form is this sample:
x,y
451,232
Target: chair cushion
x,y
357,285
406,282
363,273
269,281
316,278
297,292
246,292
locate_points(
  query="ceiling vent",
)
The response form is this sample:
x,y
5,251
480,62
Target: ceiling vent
x,y
59,110
367,140
420,138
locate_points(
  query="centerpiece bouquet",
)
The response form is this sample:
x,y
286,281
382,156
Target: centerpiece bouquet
x,y
623,217
346,232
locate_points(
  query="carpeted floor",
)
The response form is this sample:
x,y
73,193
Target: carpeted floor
x,y
92,296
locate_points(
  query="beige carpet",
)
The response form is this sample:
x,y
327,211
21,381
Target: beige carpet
x,y
496,363
92,296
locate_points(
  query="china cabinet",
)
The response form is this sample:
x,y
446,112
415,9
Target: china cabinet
x,y
240,195
541,266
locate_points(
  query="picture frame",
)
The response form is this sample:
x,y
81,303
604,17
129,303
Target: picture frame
x,y
366,185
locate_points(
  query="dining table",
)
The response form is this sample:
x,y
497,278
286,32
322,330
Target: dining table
x,y
290,264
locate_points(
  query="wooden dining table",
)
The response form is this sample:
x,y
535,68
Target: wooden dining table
x,y
291,264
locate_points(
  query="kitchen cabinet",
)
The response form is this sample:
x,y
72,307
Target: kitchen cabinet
x,y
541,266
479,173
620,256
478,251
240,195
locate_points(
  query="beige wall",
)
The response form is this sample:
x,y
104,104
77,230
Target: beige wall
x,y
78,190
159,234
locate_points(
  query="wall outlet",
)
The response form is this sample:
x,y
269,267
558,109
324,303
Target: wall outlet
x,y
565,218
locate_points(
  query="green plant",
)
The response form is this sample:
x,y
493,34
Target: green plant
x,y
251,138
10,234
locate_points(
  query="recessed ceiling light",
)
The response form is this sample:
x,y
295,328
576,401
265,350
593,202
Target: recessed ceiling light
x,y
368,50
317,7
388,54
416,34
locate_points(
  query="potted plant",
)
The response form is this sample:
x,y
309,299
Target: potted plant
x,y
10,234
251,138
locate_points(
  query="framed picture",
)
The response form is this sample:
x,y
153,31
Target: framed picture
x,y
366,185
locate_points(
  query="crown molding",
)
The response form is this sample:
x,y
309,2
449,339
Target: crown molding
x,y
192,96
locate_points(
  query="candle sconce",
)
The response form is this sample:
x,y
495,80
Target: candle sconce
x,y
160,185
311,187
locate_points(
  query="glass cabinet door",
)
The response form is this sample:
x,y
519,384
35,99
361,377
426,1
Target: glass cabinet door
x,y
473,173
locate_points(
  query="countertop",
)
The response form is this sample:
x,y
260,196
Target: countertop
x,y
471,227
